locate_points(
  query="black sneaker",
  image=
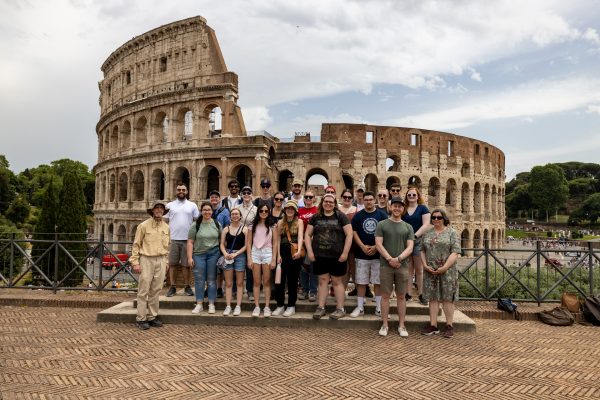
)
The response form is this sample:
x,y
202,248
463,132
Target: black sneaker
x,y
143,325
408,297
219,293
422,300
352,293
172,291
368,293
188,291
155,323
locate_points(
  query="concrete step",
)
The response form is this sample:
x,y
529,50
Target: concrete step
x,y
188,302
126,312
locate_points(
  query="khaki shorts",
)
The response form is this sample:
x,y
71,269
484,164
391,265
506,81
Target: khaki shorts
x,y
178,253
392,276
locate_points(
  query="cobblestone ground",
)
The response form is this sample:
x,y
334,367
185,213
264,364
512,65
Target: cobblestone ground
x,y
61,353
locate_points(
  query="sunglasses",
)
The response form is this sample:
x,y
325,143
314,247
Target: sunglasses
x,y
395,190
263,212
382,195
438,217
412,195
347,197
278,198
309,197
330,192
265,186
245,193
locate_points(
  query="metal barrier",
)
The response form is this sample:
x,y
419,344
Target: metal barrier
x,y
485,274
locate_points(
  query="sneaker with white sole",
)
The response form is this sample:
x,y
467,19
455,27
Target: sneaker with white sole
x,y
267,312
383,331
278,311
211,309
237,311
402,331
198,309
357,312
227,311
289,311
256,312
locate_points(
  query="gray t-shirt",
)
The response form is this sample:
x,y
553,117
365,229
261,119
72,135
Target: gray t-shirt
x,y
395,235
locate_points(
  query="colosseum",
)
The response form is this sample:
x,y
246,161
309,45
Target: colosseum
x,y
169,114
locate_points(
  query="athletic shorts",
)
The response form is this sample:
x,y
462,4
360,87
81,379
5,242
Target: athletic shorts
x,y
394,276
367,271
262,256
178,253
331,266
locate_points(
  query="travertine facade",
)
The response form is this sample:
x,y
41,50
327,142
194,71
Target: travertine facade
x,y
162,95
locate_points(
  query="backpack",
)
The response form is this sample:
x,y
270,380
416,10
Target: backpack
x,y
558,316
508,306
591,310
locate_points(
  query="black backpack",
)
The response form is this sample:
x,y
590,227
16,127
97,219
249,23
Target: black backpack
x,y
591,310
508,306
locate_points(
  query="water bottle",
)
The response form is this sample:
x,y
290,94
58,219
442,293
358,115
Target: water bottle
x,y
278,274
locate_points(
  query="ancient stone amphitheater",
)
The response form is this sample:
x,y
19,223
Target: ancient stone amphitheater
x,y
169,114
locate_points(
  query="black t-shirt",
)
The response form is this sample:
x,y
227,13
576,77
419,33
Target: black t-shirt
x,y
328,234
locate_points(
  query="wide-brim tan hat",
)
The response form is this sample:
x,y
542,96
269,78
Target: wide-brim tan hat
x,y
157,203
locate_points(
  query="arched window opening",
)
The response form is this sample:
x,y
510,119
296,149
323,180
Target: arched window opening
x,y
464,239
392,180
465,198
121,237
243,174
348,181
465,170
286,177
158,185
188,125
159,128
181,176
211,176
392,163
450,193
433,192
138,186
215,121
114,140
316,180
110,233
415,181
123,184
140,131
113,187
371,183
126,136
272,156
477,198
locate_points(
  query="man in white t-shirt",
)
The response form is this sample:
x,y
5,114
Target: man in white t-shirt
x,y
182,213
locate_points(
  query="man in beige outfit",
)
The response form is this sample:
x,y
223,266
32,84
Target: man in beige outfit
x,y
149,259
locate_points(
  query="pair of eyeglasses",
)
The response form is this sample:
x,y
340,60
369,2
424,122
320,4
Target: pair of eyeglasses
x,y
182,190
412,195
395,190
278,198
330,192
265,186
263,212
347,197
382,195
309,197
438,217
245,193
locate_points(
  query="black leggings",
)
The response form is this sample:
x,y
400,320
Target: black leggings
x,y
290,270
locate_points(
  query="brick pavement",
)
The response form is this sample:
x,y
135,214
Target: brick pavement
x,y
62,353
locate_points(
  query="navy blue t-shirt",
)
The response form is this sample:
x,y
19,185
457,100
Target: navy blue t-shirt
x,y
364,224
416,219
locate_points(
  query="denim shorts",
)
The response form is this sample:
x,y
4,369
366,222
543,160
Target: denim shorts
x,y
417,247
238,265
262,256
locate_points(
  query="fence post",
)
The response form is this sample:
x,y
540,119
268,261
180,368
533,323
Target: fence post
x,y
101,255
55,282
591,268
12,260
538,256
486,247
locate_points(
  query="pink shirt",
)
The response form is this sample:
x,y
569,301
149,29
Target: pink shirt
x,y
263,237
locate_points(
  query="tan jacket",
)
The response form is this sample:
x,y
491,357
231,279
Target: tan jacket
x,y
152,239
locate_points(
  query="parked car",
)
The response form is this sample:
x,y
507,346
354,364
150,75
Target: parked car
x,y
109,261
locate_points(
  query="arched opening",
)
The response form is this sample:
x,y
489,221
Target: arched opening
x,y
493,243
494,201
132,233
433,192
371,183
465,199
286,177
113,187
215,121
123,185
415,181
138,186
465,170
157,186
188,125
464,239
348,182
391,181
316,180
486,201
121,237
160,128
477,240
106,146
243,174
450,193
110,233
271,156
140,131
114,140
486,237
210,177
181,176
126,136
477,198
392,163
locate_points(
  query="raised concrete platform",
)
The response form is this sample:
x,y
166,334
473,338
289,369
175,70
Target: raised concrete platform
x,y
177,310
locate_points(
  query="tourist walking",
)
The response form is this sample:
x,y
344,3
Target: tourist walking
x,y
182,213
328,239
203,253
394,241
233,250
149,259
440,248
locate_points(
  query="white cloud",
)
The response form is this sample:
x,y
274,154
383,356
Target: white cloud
x,y
256,118
312,123
593,109
476,76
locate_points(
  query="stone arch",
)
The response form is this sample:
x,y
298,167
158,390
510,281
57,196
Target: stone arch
x,y
182,123
138,186
415,181
114,139
477,240
465,198
123,186
210,179
450,193
465,170
477,197
486,201
486,237
126,135
315,173
285,180
493,243
348,181
433,192
243,174
106,146
371,183
113,187
181,175
392,163
392,180
157,187
140,131
160,128
214,114
464,239
102,197
121,237
494,202
110,232
272,156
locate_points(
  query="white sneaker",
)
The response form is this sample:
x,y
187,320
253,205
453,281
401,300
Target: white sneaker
x,y
211,308
267,312
256,312
198,309
289,311
357,312
237,311
402,331
227,311
278,311
383,331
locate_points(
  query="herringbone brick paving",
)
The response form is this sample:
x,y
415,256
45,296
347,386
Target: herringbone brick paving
x,y
62,353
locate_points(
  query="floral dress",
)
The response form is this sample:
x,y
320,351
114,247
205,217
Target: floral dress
x,y
437,248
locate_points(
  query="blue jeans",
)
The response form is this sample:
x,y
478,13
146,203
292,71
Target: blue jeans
x,y
205,269
308,280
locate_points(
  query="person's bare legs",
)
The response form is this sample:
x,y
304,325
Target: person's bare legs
x,y
401,305
266,282
339,290
323,290
228,286
433,312
448,308
239,280
385,308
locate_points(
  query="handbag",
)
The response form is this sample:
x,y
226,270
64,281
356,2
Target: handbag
x,y
558,316
508,306
222,261
294,246
570,301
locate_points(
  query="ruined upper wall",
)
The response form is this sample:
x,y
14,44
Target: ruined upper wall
x,y
180,55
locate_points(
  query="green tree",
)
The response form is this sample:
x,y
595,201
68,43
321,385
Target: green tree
x,y
591,208
519,201
7,184
18,211
548,187
44,230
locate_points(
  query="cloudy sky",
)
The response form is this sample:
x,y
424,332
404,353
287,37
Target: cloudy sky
x,y
520,75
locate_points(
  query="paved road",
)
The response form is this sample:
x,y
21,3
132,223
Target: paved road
x,y
63,353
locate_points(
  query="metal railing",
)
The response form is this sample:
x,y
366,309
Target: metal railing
x,y
538,274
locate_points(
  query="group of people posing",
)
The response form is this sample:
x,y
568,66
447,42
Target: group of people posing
x,y
378,239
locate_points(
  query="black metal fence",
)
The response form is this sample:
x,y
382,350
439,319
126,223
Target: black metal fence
x,y
540,271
